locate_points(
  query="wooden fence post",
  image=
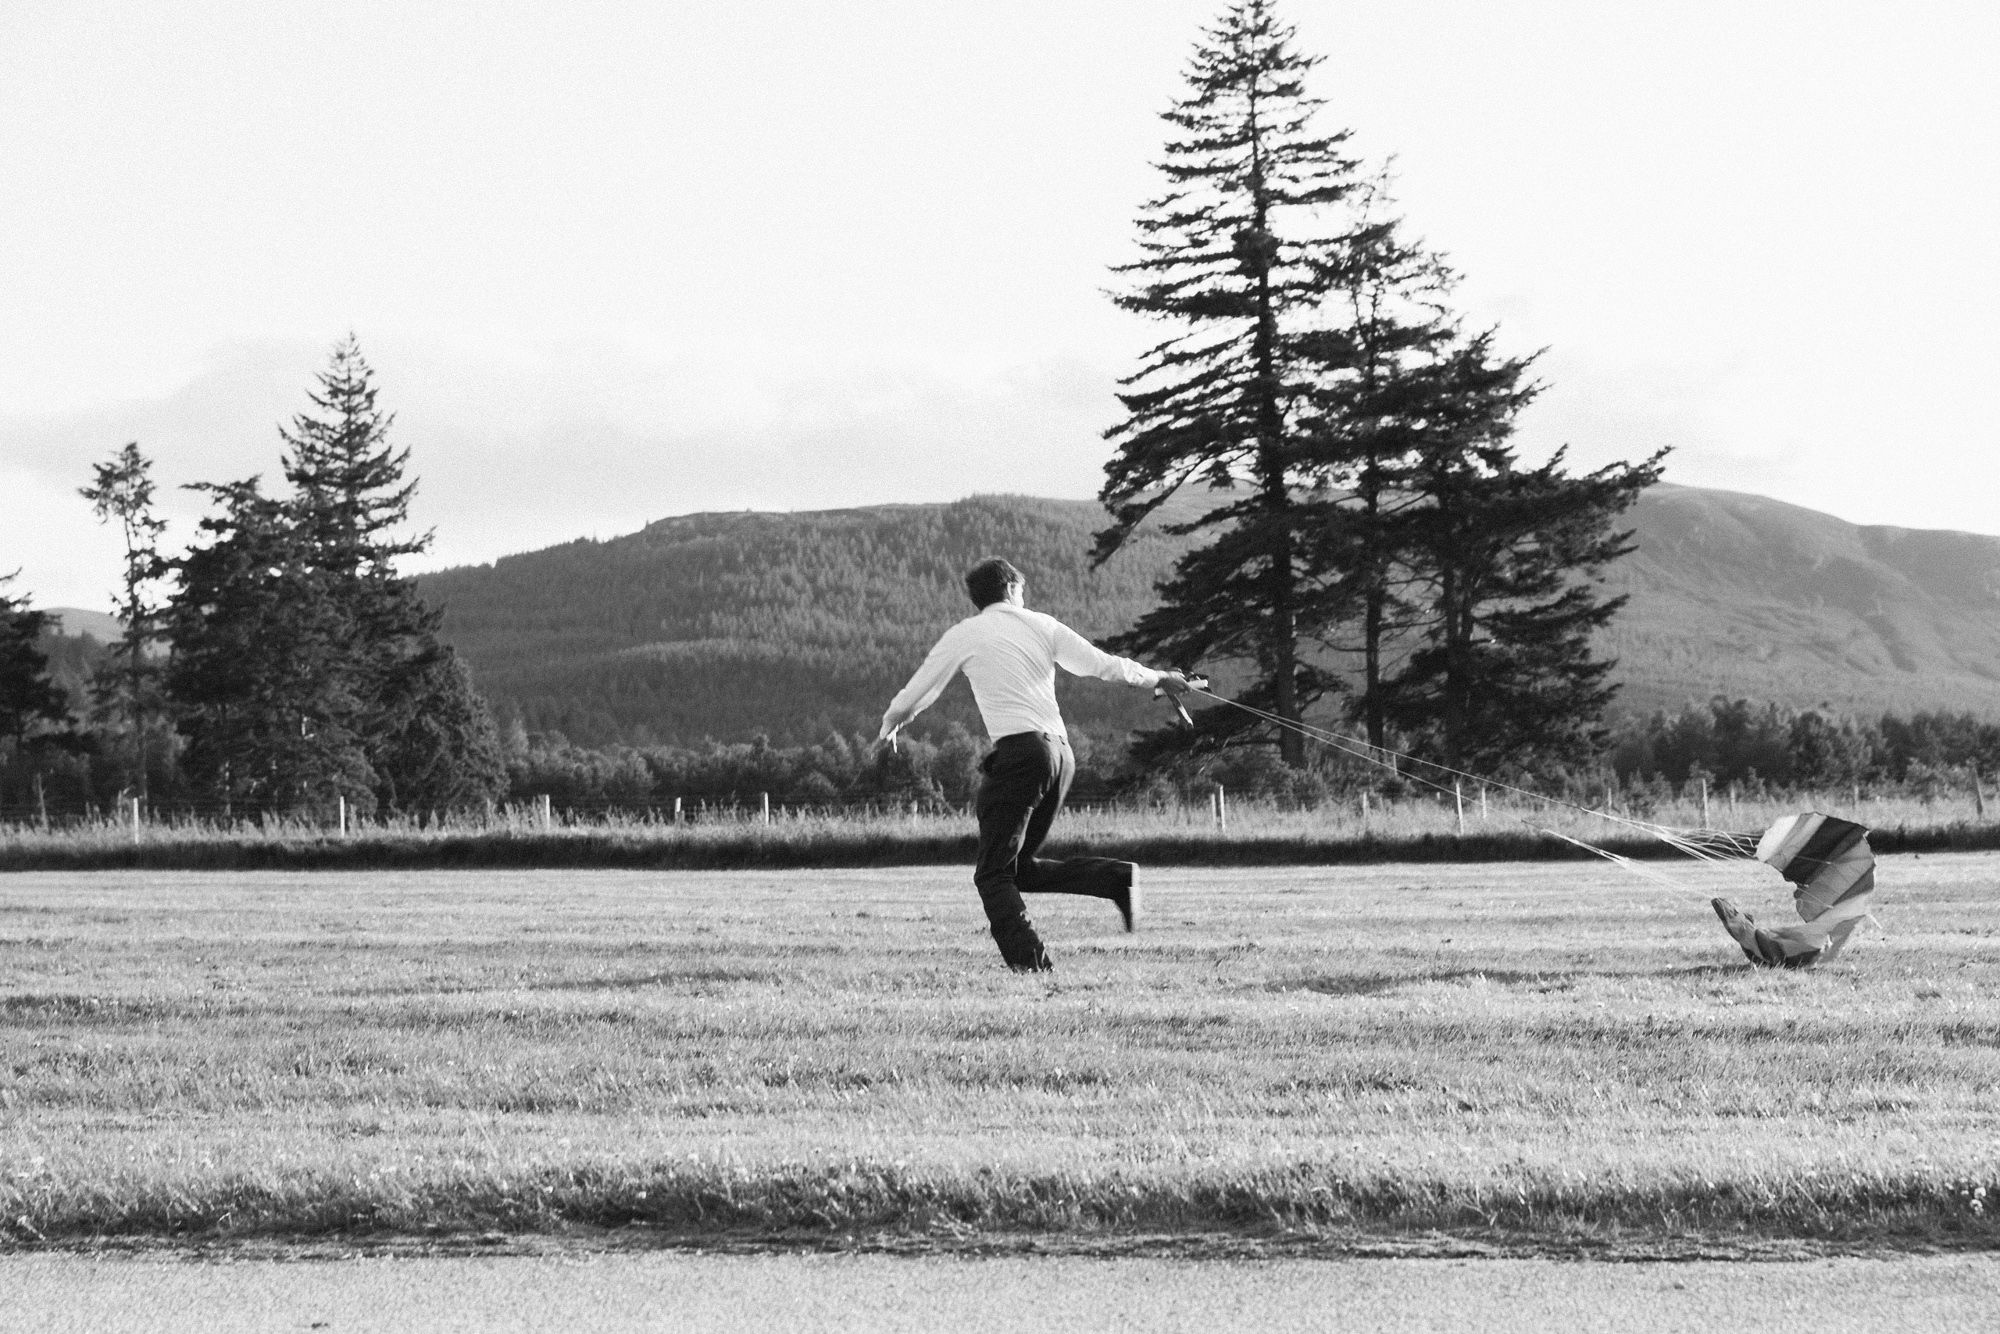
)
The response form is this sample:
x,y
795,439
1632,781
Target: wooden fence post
x,y
764,807
1458,802
1221,809
544,813
343,815
1978,794
677,810
135,819
1704,803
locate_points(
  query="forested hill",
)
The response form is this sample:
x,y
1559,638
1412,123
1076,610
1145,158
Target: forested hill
x,y
727,625
1755,598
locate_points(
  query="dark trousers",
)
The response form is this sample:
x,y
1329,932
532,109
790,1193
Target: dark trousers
x,y
1027,775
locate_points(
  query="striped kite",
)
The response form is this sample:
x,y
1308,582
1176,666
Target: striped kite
x,y
1829,860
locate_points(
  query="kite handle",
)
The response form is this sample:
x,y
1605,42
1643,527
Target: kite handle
x,y
1195,679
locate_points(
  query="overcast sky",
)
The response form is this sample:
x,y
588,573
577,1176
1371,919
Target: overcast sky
x,y
620,259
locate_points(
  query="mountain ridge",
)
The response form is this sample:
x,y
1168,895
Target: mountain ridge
x,y
727,625
1775,601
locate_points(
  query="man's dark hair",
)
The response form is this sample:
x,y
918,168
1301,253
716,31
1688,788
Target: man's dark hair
x,y
987,581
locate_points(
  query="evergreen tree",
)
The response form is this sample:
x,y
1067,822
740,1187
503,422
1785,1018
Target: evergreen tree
x,y
1386,322
1236,250
427,735
1389,543
439,749
258,666
34,713
350,494
122,490
1507,557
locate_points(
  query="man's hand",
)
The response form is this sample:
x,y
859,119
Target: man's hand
x,y
1174,687
891,725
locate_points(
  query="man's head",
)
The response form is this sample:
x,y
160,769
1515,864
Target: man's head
x,y
988,581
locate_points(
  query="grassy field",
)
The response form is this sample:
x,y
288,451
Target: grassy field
x,y
1257,834
1498,1057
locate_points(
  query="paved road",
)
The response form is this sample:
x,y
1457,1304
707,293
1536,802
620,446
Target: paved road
x,y
47,1294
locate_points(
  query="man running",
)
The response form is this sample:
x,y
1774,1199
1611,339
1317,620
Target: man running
x,y
1010,656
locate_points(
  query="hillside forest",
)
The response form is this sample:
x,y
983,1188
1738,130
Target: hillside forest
x,y
1756,749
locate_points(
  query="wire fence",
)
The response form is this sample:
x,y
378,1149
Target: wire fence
x,y
540,811
1460,811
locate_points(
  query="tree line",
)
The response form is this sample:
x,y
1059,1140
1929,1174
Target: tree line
x,y
280,664
1734,742
1761,748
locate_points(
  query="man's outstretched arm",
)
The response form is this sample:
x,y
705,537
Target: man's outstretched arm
x,y
923,688
1079,657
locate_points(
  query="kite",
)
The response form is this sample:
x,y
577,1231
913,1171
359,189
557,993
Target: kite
x,y
1829,860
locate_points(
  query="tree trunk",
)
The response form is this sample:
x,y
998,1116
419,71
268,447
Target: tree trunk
x,y
135,680
1282,646
1456,671
1373,612
1371,671
1284,623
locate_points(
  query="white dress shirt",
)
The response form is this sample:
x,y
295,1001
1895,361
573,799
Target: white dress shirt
x,y
1010,656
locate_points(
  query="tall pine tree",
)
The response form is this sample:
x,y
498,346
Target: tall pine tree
x,y
127,688
429,739
1234,251
350,498
1386,320
1390,542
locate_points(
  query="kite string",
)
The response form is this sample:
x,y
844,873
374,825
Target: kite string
x,y
1646,873
1702,844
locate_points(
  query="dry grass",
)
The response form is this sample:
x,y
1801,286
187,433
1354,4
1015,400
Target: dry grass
x,y
1528,1054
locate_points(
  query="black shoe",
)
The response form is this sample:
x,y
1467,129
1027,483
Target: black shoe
x,y
1039,963
1021,947
1126,899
